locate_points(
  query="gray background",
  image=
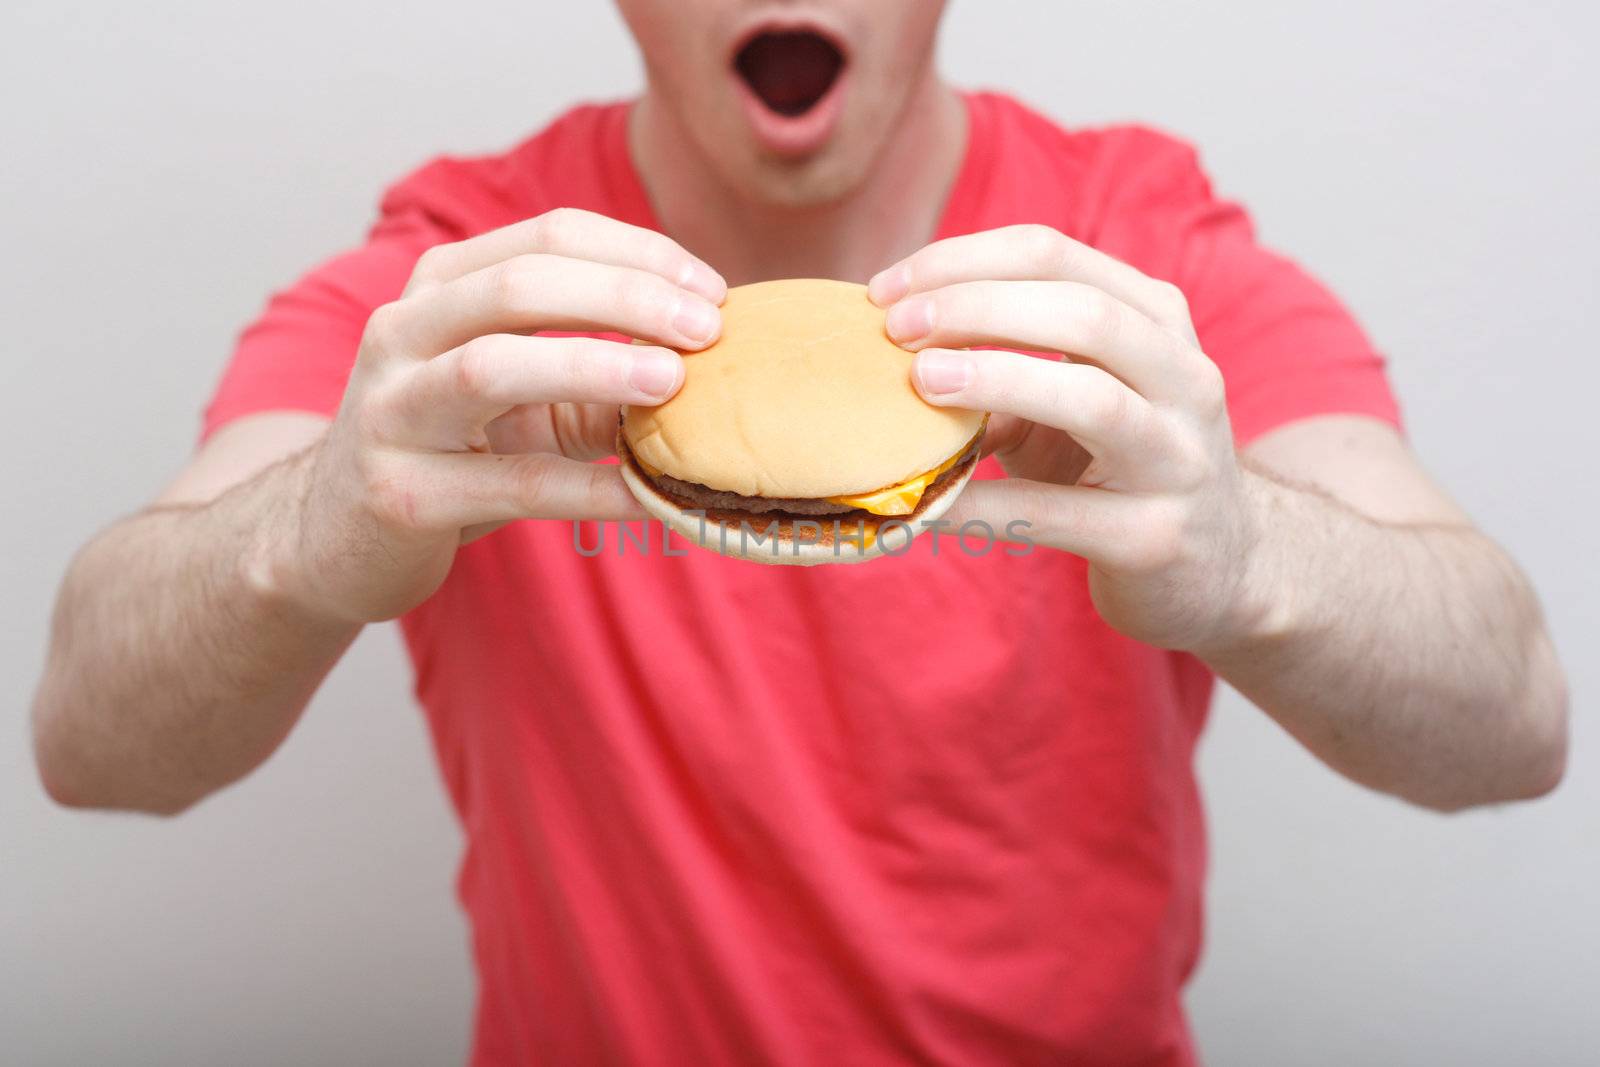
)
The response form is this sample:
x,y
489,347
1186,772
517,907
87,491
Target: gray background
x,y
165,165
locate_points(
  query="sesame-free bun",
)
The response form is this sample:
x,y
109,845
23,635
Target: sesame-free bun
x,y
802,396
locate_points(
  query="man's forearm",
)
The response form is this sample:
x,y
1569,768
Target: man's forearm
x,y
1413,659
174,666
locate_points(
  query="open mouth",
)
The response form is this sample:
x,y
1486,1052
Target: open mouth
x,y
789,71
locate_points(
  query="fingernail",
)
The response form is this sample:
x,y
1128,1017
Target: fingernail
x,y
909,320
942,371
695,319
654,371
699,278
889,285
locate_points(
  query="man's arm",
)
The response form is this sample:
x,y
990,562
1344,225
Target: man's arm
x,y
188,638
1360,609
1395,641
175,667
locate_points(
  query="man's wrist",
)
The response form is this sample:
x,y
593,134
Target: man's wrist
x,y
1259,602
275,564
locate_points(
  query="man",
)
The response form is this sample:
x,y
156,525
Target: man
x,y
937,808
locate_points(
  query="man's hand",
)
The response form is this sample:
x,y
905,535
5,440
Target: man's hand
x,y
1118,450
188,637
1366,616
455,419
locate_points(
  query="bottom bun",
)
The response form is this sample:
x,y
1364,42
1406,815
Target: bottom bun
x,y
795,540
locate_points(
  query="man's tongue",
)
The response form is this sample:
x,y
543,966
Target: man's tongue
x,y
790,72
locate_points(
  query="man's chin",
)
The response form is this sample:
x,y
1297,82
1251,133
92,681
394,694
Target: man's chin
x,y
812,182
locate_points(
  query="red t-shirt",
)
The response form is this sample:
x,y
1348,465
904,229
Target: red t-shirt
x,y
926,809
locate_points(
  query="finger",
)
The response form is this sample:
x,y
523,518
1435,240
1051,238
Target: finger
x,y
1092,523
1070,317
455,395
577,431
575,234
1097,410
1029,253
455,491
544,292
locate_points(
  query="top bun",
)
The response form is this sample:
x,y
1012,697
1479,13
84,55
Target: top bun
x,y
803,395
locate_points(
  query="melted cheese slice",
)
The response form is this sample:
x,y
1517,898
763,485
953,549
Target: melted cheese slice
x,y
899,499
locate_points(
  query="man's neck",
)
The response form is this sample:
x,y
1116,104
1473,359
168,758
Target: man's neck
x,y
892,213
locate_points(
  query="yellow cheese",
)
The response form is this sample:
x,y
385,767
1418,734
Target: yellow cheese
x,y
901,499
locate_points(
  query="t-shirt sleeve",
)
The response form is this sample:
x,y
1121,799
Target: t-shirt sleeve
x,y
1287,346
297,354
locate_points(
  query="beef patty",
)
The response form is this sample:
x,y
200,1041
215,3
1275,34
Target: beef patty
x,y
692,496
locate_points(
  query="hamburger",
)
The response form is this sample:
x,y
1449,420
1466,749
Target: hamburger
x,y
798,437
